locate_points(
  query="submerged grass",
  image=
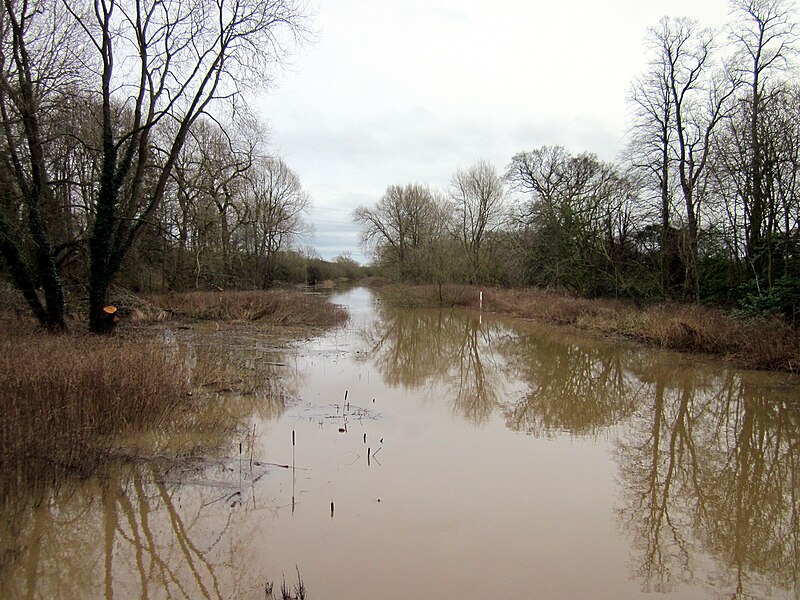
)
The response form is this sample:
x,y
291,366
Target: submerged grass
x,y
767,343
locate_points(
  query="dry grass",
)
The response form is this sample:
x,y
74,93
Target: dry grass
x,y
276,307
65,400
71,403
375,281
766,343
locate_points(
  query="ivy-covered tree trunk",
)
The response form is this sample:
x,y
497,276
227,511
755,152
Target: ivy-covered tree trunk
x,y
100,245
47,270
20,271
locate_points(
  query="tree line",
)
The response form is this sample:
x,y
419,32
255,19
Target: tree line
x,y
127,150
702,204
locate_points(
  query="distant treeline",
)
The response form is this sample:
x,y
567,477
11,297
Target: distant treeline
x,y
150,271
702,205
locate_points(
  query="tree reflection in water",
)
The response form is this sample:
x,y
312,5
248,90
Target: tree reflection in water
x,y
707,457
706,460
449,352
151,528
569,387
577,387
140,539
709,469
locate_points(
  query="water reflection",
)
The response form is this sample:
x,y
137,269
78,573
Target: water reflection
x,y
161,528
579,388
705,461
481,365
452,354
709,467
707,457
132,536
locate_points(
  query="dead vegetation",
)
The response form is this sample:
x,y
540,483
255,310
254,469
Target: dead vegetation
x,y
275,307
765,343
65,399
72,402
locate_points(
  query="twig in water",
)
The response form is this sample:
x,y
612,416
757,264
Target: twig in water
x,y
280,466
252,445
300,589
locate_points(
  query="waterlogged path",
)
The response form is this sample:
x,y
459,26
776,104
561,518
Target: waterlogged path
x,y
438,454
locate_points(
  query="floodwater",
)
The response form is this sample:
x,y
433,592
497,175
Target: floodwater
x,y
441,454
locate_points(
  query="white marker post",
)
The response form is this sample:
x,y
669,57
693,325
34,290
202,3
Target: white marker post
x,y
480,302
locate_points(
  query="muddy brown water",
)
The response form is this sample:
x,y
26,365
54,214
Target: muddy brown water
x,y
444,454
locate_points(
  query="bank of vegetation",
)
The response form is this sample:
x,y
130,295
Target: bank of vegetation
x,y
62,417
273,307
702,208
766,342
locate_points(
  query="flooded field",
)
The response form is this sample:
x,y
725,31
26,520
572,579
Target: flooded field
x,y
444,455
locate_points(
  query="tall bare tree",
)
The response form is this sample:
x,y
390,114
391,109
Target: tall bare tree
x,y
36,77
649,149
764,35
701,94
477,196
210,179
273,213
165,61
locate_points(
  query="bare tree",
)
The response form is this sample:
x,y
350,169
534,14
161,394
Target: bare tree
x,y
36,75
477,196
165,61
206,203
274,212
701,95
224,165
403,223
763,35
649,150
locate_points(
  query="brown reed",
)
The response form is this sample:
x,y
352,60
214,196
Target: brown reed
x,y
66,399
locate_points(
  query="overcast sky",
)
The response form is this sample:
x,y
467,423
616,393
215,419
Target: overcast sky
x,y
396,92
